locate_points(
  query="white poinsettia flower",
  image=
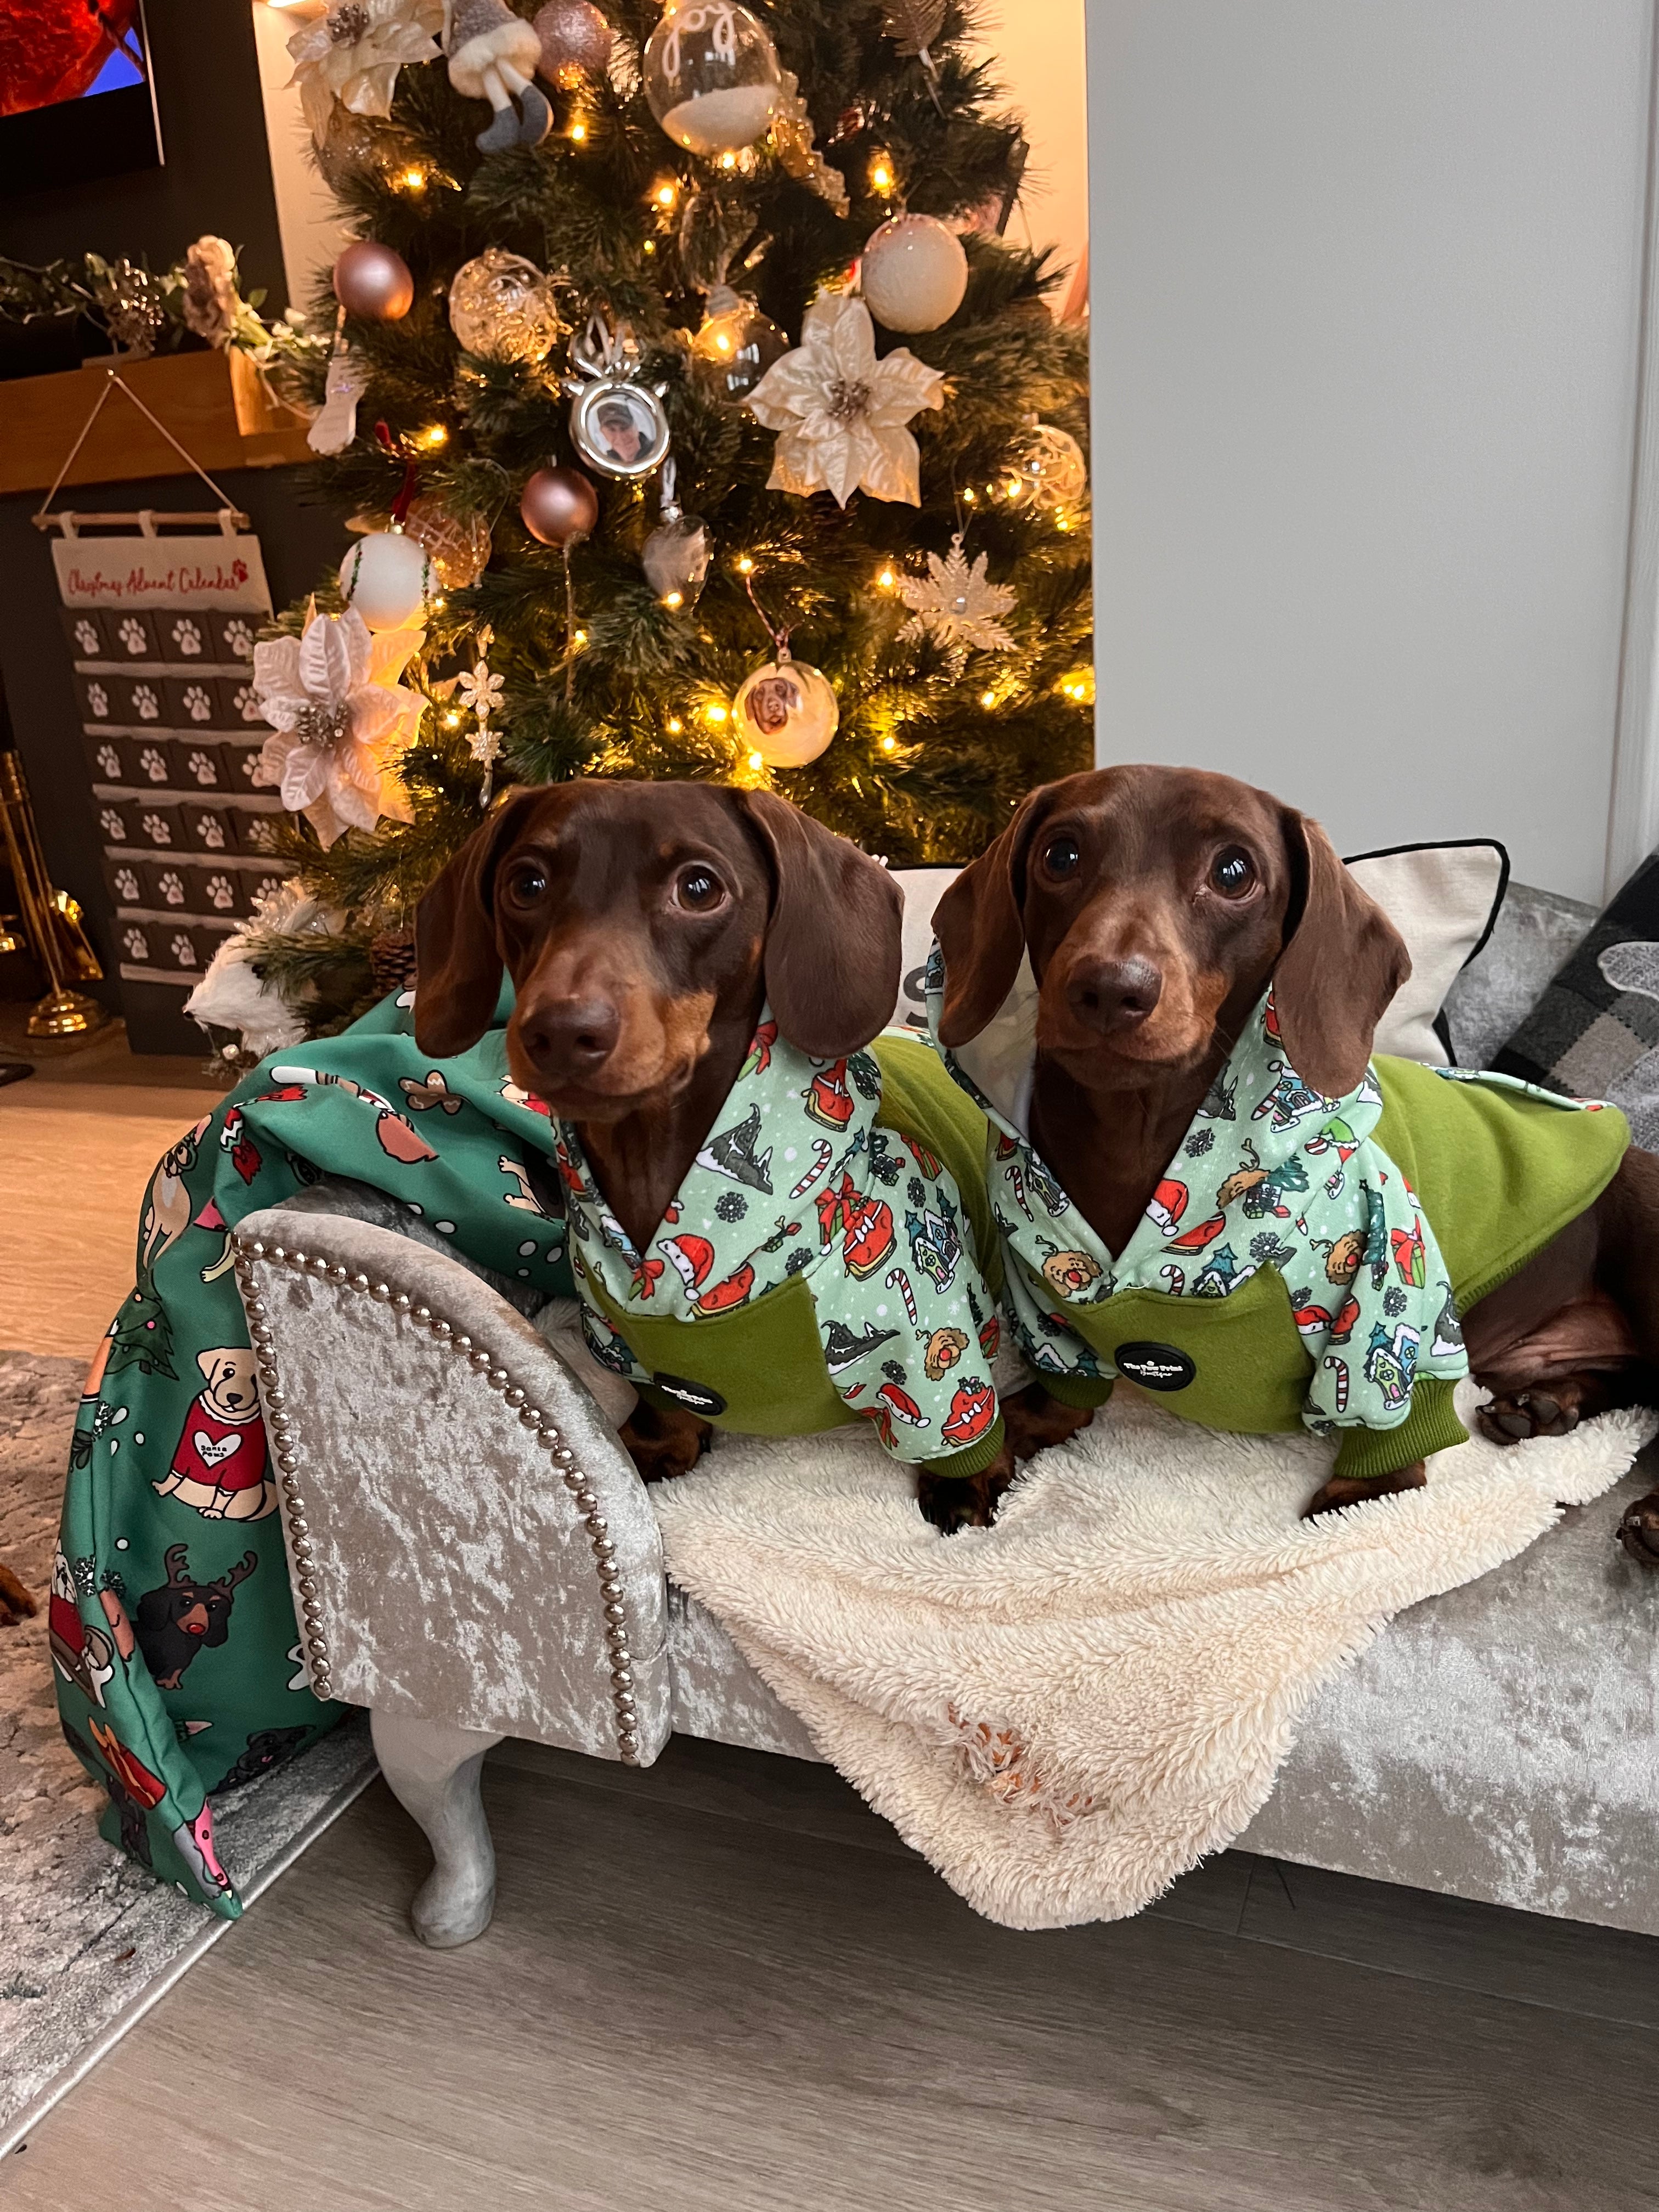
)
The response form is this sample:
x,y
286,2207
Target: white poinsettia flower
x,y
340,718
841,414
353,51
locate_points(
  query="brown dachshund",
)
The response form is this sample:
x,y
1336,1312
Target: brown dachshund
x,y
1156,904
643,925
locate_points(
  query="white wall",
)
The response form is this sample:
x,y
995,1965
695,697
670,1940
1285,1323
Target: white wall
x,y
1035,48
1366,291
313,233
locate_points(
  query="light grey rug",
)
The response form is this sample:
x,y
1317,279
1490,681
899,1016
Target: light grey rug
x,y
88,1940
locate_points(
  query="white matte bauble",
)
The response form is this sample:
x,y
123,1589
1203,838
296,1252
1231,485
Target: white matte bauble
x,y
711,76
786,711
387,577
914,273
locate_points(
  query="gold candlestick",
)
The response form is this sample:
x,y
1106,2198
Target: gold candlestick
x,y
51,918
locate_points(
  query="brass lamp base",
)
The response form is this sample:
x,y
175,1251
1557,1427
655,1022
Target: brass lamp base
x,y
66,1013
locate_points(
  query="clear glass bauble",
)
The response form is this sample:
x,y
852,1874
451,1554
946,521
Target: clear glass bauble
x,y
459,544
1045,470
737,344
501,307
675,559
786,711
711,76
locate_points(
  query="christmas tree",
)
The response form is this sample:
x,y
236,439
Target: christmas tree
x,y
764,244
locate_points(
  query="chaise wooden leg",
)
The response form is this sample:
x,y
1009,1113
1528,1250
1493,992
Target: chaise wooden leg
x,y
433,1770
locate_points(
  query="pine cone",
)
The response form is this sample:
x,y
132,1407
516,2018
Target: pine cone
x,y
392,959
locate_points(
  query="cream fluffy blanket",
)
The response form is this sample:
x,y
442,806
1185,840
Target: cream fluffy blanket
x,y
1064,1712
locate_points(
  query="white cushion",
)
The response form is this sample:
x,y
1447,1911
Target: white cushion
x,y
1442,899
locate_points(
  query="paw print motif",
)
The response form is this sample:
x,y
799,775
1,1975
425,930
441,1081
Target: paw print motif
x,y
126,886
86,636
158,830
131,634
210,832
109,764
113,825
259,834
186,635
222,894
267,888
247,703
145,704
135,945
197,703
183,950
172,887
239,639
153,763
97,703
203,769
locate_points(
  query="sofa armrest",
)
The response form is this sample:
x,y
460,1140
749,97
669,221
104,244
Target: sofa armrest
x,y
467,1541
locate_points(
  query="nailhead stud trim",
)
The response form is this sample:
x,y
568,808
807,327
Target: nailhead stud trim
x,y
612,1589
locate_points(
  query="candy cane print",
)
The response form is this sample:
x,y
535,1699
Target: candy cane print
x,y
897,1279
821,1152
1340,1369
1175,1278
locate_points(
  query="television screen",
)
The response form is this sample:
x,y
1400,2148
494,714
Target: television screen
x,y
76,96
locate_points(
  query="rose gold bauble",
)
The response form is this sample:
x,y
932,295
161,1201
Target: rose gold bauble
x,y
575,41
373,281
559,505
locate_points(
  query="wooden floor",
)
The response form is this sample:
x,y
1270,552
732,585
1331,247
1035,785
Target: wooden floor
x,y
724,1986
78,1141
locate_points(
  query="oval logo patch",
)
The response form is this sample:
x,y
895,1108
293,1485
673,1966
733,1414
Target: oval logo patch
x,y
696,1397
1155,1366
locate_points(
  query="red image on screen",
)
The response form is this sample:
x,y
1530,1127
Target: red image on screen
x,y
52,51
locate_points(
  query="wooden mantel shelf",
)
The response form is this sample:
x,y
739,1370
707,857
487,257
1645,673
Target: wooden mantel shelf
x,y
216,404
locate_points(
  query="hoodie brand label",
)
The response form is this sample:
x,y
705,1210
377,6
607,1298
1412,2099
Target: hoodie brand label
x,y
696,1397
1154,1366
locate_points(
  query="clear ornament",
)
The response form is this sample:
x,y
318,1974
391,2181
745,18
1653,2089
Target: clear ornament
x,y
711,76
737,344
1046,470
786,711
501,307
459,544
675,556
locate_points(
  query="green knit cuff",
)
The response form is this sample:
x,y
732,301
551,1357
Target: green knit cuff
x,y
1431,1425
1071,1389
974,1460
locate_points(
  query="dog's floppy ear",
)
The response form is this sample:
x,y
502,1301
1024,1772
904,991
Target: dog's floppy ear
x,y
979,930
834,945
1342,962
458,961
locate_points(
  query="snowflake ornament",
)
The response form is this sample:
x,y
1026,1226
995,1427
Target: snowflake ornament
x,y
840,413
480,694
341,718
956,604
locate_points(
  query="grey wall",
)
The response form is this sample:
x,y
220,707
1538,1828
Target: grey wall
x,y
1366,300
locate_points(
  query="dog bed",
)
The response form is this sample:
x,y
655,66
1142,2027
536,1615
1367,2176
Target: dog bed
x,y
1067,1712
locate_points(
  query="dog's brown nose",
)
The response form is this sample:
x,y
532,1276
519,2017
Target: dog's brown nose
x,y
571,1037
1114,995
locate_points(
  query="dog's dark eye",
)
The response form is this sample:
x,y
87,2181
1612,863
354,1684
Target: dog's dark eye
x,y
1060,856
1232,871
526,884
698,889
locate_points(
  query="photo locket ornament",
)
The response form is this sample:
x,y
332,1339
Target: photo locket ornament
x,y
617,424
785,711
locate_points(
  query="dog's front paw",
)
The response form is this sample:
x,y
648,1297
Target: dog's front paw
x,y
1035,1420
952,1502
663,1444
1638,1531
1346,1490
1522,1414
17,1601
